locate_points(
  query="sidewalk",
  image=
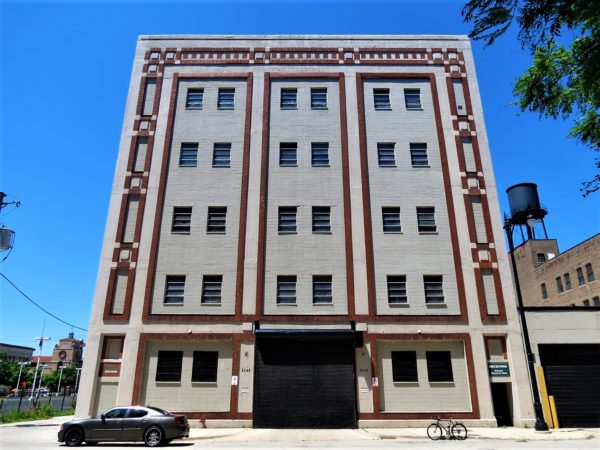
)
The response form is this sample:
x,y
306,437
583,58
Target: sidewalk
x,y
405,434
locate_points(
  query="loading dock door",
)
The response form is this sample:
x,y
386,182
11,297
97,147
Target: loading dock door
x,y
572,374
304,381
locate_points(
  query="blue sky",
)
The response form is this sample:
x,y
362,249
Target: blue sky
x,y
65,69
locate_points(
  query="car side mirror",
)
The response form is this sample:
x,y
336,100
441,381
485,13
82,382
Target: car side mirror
x,y
103,418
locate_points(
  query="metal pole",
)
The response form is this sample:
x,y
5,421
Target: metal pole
x,y
22,363
78,369
59,380
540,423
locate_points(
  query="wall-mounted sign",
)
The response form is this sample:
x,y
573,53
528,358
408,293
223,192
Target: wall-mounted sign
x,y
234,380
499,369
375,381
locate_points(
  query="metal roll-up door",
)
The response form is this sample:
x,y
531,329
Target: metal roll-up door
x,y
304,381
572,373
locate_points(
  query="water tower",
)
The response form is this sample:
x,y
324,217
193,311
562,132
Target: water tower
x,y
525,210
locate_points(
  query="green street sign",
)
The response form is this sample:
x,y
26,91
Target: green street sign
x,y
499,369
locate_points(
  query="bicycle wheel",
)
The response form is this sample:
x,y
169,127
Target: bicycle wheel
x,y
459,431
435,432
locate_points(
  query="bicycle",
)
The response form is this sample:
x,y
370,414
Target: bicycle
x,y
454,430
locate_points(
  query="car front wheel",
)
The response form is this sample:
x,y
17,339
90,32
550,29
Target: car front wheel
x,y
74,437
153,437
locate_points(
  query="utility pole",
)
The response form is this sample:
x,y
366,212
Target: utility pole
x,y
41,339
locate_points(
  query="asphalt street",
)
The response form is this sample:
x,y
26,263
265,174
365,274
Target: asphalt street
x,y
41,435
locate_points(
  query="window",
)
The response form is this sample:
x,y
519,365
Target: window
x,y
287,219
586,302
426,219
412,98
580,277
589,272
568,284
289,99
321,219
544,291
168,367
559,285
136,413
320,154
381,98
385,154
439,367
204,367
391,219
287,154
286,289
194,99
434,292
541,257
221,154
322,289
117,413
396,286
418,155
596,301
217,216
318,98
404,367
226,98
211,289
188,156
182,219
174,288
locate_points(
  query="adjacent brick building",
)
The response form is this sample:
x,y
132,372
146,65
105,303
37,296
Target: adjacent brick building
x,y
304,232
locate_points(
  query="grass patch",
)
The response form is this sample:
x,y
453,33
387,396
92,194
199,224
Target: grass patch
x,y
35,413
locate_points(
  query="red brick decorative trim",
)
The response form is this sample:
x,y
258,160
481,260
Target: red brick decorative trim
x,y
463,316
148,316
234,339
375,338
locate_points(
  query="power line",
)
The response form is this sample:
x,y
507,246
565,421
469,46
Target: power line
x,y
39,306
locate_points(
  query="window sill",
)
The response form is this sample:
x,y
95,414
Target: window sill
x,y
428,232
399,305
393,232
287,232
436,305
406,383
323,304
422,167
319,109
414,109
287,304
193,109
181,232
288,165
168,383
289,109
383,109
321,232
172,304
225,109
442,383
204,383
221,167
391,166
321,165
215,232
188,165
210,304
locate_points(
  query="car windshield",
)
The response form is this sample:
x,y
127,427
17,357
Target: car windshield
x,y
162,411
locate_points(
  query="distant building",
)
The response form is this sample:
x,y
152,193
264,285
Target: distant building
x,y
551,278
68,352
16,352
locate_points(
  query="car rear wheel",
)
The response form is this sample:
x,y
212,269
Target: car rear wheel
x,y
153,437
74,437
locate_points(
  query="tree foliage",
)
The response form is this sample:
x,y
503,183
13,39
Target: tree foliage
x,y
563,80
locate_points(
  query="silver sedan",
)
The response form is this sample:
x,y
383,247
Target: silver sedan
x,y
152,425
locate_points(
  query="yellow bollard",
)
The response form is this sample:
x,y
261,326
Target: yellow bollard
x,y
544,396
553,409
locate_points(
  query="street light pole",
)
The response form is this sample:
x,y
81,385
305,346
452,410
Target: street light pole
x,y
41,344
59,380
22,363
540,423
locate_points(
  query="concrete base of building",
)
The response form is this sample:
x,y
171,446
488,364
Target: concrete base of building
x,y
221,423
483,423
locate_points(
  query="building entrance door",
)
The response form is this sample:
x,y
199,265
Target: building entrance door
x,y
304,381
501,398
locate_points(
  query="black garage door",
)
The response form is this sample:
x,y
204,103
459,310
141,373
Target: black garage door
x,y
573,378
304,381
